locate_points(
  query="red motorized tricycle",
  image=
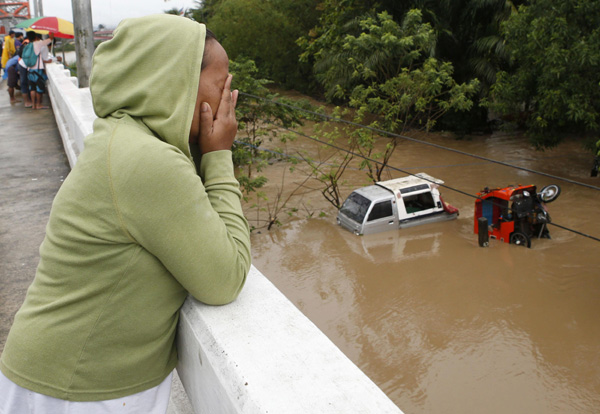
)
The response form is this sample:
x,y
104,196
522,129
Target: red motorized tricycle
x,y
515,214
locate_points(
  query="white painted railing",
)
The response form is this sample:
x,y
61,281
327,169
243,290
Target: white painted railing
x,y
72,109
259,354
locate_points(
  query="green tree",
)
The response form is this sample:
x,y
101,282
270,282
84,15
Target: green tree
x,y
469,36
203,10
323,46
466,33
554,84
260,117
399,82
266,32
399,88
486,52
175,11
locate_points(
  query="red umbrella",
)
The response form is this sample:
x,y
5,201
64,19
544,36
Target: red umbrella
x,y
55,25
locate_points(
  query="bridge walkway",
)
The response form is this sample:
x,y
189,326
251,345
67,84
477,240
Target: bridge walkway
x,y
33,165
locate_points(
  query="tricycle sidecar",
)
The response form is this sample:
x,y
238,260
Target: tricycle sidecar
x,y
516,214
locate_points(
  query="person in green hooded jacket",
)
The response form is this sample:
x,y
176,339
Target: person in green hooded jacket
x,y
150,212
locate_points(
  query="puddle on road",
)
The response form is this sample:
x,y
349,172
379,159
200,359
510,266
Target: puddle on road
x,y
442,325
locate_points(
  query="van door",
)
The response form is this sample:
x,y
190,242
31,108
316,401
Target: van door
x,y
382,217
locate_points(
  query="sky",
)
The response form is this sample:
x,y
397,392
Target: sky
x,y
111,12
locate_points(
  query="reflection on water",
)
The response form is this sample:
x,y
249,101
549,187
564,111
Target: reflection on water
x,y
398,246
444,326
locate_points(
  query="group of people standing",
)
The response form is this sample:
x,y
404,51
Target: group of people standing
x,y
30,78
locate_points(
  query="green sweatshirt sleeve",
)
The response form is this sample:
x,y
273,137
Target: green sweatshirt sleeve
x,y
195,229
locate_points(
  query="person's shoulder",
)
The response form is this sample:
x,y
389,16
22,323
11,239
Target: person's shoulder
x,y
132,148
149,167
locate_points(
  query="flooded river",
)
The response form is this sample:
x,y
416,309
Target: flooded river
x,y
440,324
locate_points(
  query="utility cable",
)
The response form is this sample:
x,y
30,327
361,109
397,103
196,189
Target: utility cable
x,y
283,154
391,134
293,157
409,173
576,232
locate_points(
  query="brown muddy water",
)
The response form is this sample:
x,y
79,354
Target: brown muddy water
x,y
440,324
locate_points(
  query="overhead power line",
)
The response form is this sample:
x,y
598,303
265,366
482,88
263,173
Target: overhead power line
x,y
395,169
431,144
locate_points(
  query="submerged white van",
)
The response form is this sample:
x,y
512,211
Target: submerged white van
x,y
395,204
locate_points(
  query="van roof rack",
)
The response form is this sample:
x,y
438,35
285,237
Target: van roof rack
x,y
398,184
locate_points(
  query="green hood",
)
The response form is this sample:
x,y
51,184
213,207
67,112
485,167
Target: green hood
x,y
150,71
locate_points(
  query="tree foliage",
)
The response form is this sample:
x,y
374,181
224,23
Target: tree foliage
x,y
265,32
259,118
175,11
203,10
399,82
398,87
323,46
554,82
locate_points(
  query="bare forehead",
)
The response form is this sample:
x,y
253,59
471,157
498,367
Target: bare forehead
x,y
214,53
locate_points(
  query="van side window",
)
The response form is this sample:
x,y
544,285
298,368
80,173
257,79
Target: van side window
x,y
381,210
418,202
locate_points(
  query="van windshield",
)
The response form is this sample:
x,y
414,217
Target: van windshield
x,y
355,207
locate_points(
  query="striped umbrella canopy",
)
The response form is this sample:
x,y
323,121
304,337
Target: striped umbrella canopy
x,y
55,25
26,23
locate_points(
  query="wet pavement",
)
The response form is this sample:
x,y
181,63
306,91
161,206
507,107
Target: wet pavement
x,y
33,165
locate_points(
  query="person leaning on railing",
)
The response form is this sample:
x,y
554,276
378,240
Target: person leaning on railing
x,y
36,74
133,229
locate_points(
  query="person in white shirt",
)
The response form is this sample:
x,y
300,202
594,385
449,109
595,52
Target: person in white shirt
x,y
22,68
36,74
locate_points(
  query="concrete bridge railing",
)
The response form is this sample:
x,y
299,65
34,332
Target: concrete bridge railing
x,y
259,354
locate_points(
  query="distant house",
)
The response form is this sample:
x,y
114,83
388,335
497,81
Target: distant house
x,y
104,34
